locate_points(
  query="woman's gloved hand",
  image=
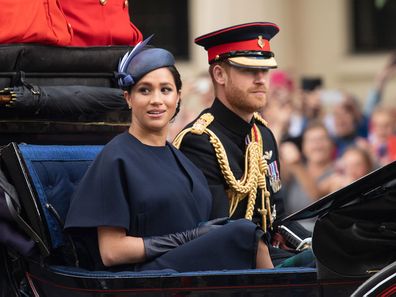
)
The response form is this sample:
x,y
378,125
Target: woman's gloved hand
x,y
155,246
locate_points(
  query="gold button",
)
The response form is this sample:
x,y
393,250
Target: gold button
x,y
103,2
126,3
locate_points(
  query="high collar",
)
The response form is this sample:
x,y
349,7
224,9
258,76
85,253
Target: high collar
x,y
230,120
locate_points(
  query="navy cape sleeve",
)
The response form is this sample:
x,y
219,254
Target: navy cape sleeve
x,y
101,199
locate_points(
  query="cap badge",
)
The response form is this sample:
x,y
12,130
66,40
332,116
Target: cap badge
x,y
260,41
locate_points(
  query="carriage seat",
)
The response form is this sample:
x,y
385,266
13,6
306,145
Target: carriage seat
x,y
45,177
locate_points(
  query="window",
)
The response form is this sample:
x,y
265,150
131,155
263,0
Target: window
x,y
167,19
374,22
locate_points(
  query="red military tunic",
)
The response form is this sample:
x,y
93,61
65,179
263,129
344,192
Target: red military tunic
x,y
100,22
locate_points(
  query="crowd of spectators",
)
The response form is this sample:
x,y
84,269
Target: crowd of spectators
x,y
328,138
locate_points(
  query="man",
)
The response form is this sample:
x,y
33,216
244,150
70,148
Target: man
x,y
230,142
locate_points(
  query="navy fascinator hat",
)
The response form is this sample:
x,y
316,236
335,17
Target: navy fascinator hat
x,y
140,61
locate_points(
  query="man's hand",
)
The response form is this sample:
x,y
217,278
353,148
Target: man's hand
x,y
279,241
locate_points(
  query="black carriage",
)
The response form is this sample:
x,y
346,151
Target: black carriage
x,y
40,178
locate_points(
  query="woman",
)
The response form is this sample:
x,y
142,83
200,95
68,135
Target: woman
x,y
350,125
141,204
355,163
382,136
304,172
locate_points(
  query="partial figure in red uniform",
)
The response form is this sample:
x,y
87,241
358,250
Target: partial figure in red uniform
x,y
100,22
68,23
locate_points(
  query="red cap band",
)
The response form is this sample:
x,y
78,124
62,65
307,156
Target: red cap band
x,y
258,44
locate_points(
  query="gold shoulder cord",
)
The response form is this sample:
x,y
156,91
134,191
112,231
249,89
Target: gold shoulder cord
x,y
259,118
256,168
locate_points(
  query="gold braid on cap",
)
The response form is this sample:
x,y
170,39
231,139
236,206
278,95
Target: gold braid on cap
x,y
256,168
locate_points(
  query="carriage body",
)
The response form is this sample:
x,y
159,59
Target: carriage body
x,y
63,141
44,177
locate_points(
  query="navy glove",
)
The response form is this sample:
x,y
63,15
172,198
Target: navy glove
x,y
155,246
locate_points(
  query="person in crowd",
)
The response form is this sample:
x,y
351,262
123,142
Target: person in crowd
x,y
311,88
230,142
374,96
303,172
355,163
281,108
142,205
308,108
382,136
350,125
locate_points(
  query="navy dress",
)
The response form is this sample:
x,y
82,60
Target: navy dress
x,y
148,191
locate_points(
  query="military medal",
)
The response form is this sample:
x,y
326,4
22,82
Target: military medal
x,y
274,176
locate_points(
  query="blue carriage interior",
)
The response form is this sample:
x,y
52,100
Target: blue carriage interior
x,y
45,177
